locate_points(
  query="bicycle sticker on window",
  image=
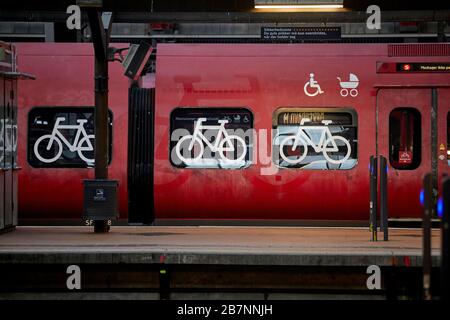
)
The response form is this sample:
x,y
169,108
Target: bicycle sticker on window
x,y
211,138
315,138
62,137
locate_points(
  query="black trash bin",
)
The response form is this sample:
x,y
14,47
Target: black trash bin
x,y
100,200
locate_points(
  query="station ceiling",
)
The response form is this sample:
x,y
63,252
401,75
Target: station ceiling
x,y
236,11
214,5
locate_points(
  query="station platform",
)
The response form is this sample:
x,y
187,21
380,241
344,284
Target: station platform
x,y
169,261
215,245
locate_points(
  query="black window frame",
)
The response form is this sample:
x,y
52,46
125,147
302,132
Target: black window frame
x,y
354,123
73,109
417,152
249,161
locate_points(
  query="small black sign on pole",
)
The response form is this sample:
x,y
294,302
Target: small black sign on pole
x,y
373,196
445,253
384,198
426,247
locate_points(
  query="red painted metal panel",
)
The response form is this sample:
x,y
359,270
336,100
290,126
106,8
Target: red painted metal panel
x,y
423,49
264,78
65,77
260,77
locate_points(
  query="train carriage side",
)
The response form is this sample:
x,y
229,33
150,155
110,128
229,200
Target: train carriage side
x,y
248,131
318,112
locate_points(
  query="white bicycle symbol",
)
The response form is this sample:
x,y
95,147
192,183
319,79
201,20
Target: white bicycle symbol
x,y
326,139
56,139
222,143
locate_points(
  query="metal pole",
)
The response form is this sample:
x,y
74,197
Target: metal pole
x,y
101,118
445,253
100,40
384,198
373,196
427,212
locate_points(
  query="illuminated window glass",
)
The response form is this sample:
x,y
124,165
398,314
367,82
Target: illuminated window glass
x,y
63,137
315,138
219,138
405,138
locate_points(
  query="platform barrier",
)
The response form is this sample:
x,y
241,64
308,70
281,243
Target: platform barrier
x,y
378,197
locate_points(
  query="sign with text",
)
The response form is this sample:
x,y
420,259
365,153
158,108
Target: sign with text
x,y
294,116
424,67
300,33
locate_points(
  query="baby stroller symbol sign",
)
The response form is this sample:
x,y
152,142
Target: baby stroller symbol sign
x,y
349,86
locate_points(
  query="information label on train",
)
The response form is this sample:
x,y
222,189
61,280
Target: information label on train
x,y
300,33
424,67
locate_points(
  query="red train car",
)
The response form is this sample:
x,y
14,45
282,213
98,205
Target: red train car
x,y
63,88
247,131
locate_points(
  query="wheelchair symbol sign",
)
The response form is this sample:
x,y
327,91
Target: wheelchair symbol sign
x,y
312,84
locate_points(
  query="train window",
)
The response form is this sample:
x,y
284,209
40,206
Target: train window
x,y
405,138
448,138
219,138
63,137
315,138
2,127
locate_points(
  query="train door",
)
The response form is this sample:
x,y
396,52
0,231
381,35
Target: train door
x,y
404,136
2,153
8,147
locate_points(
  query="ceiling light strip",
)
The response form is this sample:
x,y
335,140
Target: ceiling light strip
x,y
299,6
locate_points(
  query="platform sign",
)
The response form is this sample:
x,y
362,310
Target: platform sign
x,y
300,33
295,117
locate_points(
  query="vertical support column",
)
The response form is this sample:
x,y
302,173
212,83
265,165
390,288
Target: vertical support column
x,y
101,118
445,249
100,39
426,225
373,196
384,198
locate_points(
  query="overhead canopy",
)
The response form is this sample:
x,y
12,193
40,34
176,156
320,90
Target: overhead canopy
x,y
214,5
17,75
